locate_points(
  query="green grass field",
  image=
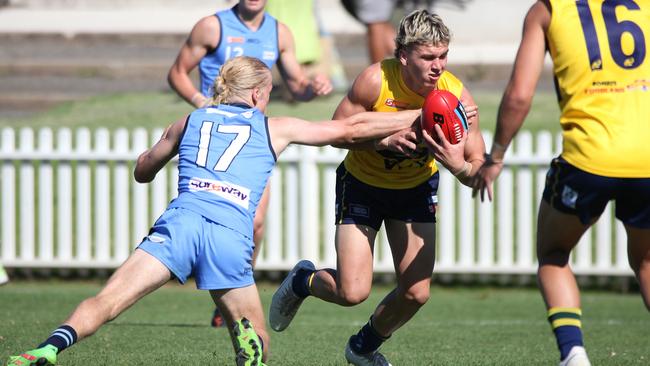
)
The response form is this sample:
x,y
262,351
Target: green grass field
x,y
150,110
459,326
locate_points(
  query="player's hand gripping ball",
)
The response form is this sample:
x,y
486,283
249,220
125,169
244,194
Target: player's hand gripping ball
x,y
442,108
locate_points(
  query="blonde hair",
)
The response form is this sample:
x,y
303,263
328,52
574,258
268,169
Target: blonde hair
x,y
237,77
421,27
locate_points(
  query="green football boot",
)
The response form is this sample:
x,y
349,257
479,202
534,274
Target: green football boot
x,y
44,356
248,346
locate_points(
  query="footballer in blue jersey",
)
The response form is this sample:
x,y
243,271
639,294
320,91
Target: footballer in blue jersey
x,y
226,153
245,29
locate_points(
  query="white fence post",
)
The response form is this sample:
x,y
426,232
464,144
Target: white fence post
x,y
122,180
45,211
64,197
82,196
8,197
102,189
26,196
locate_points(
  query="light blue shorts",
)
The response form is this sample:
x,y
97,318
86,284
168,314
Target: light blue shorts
x,y
188,244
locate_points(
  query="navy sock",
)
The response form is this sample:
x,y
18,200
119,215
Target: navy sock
x,y
567,337
367,340
61,338
300,282
566,324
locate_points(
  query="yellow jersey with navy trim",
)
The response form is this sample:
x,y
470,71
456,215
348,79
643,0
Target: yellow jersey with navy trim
x,y
602,71
387,169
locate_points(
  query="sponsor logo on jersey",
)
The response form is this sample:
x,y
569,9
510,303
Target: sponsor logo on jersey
x,y
396,104
268,55
233,39
229,191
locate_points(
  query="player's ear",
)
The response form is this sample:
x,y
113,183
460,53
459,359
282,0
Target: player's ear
x,y
256,94
402,56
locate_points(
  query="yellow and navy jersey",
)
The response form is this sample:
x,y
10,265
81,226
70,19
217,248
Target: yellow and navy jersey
x,y
387,169
602,71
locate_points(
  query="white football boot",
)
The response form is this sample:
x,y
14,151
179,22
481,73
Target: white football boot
x,y
285,302
369,359
576,357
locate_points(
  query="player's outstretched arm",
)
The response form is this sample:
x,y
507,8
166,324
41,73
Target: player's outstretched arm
x,y
301,87
354,129
517,96
155,158
362,96
204,36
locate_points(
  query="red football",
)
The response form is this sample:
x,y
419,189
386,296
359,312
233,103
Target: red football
x,y
444,109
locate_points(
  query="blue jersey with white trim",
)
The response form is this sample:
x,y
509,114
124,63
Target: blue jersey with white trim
x,y
238,40
225,160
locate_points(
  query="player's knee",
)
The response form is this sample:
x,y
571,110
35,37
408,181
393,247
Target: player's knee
x,y
418,294
353,297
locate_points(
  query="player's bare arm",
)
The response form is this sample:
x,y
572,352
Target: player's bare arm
x,y
362,96
155,158
204,37
518,95
300,86
356,128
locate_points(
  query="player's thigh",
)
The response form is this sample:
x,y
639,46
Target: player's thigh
x,y
354,257
413,247
573,200
557,232
138,276
638,248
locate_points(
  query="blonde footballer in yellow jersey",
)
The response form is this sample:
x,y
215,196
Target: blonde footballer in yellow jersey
x,y
393,170
602,70
393,182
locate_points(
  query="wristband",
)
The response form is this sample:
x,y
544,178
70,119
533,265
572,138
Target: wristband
x,y
464,172
490,160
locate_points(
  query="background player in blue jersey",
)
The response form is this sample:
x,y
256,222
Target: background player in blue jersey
x,y
226,154
604,131
245,29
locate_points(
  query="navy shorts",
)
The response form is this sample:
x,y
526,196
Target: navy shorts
x,y
576,192
363,204
188,244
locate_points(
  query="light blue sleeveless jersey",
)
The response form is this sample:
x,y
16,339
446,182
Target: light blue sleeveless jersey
x,y
225,160
238,40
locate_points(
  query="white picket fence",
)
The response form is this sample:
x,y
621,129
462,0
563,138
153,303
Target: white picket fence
x,y
68,200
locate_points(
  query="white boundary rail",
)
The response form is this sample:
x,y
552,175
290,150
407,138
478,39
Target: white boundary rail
x,y
68,200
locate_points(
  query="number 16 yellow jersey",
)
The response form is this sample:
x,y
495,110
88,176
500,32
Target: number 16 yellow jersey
x,y
602,70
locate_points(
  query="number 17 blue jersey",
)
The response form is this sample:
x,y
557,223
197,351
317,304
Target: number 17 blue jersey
x,y
225,160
